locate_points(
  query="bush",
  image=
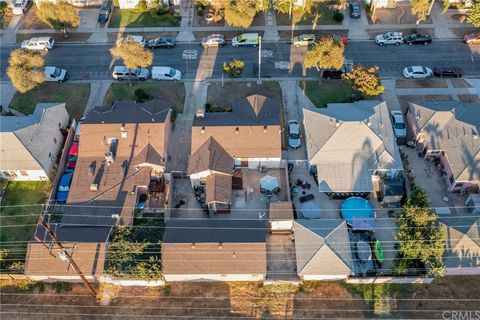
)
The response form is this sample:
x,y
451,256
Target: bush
x,y
141,95
116,4
3,7
338,16
61,287
200,12
162,9
142,6
201,4
233,68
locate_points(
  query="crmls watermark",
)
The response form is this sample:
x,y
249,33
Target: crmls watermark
x,y
461,315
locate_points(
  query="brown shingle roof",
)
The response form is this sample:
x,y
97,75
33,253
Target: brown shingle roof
x,y
210,156
218,188
90,258
282,210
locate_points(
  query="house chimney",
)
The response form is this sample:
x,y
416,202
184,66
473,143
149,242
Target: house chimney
x,y
109,158
237,130
193,245
200,113
202,130
264,129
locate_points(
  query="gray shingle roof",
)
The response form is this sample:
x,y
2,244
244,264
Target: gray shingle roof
x,y
210,156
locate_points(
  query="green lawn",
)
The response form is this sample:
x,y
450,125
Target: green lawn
x,y
170,91
132,18
330,91
319,16
20,209
74,95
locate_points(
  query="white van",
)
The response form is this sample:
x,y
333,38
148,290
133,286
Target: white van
x,y
246,39
166,73
54,74
40,43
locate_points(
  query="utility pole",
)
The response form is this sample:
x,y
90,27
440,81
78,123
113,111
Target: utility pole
x,y
69,258
259,60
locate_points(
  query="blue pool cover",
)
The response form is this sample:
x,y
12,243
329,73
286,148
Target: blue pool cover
x,y
358,213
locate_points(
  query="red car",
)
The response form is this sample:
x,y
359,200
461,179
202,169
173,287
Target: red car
x,y
472,38
72,155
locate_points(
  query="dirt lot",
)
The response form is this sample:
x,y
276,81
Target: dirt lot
x,y
460,83
31,21
404,100
412,83
312,300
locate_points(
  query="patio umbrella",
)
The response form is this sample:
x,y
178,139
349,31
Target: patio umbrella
x,y
310,210
269,183
256,102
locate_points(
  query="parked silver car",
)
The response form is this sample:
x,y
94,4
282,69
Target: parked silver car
x,y
398,123
294,136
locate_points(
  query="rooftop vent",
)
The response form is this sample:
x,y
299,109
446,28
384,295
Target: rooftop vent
x,y
202,130
94,187
200,113
237,129
109,158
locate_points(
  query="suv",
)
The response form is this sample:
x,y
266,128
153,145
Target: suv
x,y
354,9
337,74
214,40
447,71
162,42
389,38
418,38
122,72
139,39
20,6
304,40
41,43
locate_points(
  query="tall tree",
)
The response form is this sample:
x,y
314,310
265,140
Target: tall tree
x,y
419,236
326,54
283,6
420,8
240,13
25,69
61,16
132,53
473,15
365,80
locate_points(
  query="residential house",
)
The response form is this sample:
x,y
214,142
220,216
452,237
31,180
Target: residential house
x,y
122,155
462,244
447,133
351,147
322,248
216,250
251,134
77,3
30,145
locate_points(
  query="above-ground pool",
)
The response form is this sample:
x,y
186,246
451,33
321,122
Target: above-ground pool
x,y
356,209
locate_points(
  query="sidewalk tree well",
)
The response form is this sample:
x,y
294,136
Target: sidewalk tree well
x,y
233,68
420,8
61,16
25,69
326,54
240,13
132,53
365,80
419,236
473,16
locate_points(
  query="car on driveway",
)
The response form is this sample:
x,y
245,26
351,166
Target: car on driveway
x,y
20,6
214,40
72,155
398,124
161,42
104,14
304,40
395,38
472,38
294,140
418,38
64,187
447,71
355,10
417,72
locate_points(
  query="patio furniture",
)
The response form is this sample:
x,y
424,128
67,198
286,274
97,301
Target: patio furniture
x,y
269,184
306,198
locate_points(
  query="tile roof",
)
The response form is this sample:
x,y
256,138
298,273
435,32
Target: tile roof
x,y
453,127
347,142
322,247
281,210
218,188
210,156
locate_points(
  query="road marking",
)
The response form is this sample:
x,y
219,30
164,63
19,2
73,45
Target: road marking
x,y
189,54
267,53
283,65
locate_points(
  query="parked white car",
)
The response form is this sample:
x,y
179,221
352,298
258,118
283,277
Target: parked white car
x,y
40,43
139,39
395,38
166,73
417,72
54,74
20,6
398,124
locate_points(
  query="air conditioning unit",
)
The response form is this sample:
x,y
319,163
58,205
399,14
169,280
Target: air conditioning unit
x,y
109,157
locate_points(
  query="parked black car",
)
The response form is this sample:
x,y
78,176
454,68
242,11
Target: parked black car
x,y
337,74
162,42
354,9
447,71
417,38
104,14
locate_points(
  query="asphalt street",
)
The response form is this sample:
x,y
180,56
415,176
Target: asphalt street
x,y
94,62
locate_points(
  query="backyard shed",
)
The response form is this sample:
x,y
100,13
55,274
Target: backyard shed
x,y
281,217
